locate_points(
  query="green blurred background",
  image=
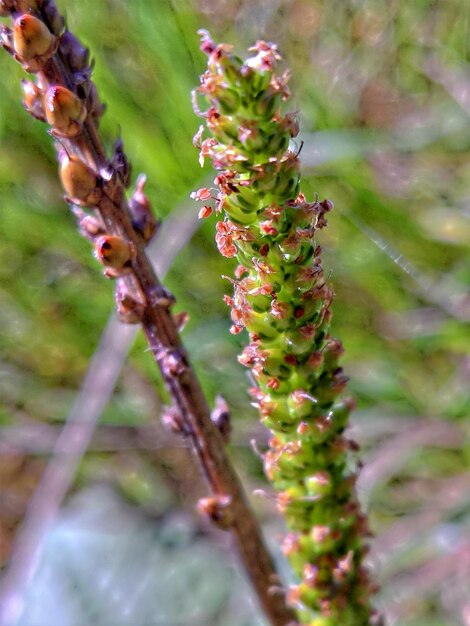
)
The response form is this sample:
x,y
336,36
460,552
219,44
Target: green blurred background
x,y
382,88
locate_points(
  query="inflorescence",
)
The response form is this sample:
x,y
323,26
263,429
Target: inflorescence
x,y
282,298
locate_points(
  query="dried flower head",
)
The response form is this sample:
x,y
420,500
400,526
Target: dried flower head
x,y
113,251
64,111
80,182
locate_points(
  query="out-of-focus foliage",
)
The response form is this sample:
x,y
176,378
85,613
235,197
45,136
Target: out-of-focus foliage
x,y
382,89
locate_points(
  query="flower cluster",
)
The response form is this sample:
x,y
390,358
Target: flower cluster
x,y
282,298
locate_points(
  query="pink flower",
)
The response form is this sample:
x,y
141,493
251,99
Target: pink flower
x,y
205,212
201,194
267,228
224,240
225,181
266,57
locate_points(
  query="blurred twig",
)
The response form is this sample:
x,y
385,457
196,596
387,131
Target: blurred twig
x,y
456,82
450,494
388,458
438,573
34,437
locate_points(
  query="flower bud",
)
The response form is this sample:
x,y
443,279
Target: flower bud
x,y
323,538
292,497
119,163
231,67
274,407
339,413
64,111
333,350
220,417
319,484
128,309
143,219
31,37
221,126
217,509
266,104
290,544
290,122
33,100
289,178
172,420
262,325
113,251
80,182
228,100
181,319
258,81
301,404
237,209
90,226
278,142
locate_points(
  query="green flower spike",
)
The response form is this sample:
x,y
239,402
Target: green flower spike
x,y
282,298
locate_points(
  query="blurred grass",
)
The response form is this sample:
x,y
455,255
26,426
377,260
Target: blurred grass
x,y
384,139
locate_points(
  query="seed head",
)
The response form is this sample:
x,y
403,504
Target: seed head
x,y
113,251
65,112
31,37
80,182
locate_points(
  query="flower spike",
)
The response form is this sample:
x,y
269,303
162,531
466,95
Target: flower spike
x,y
282,298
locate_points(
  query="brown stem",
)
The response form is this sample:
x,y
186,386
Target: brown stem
x,y
180,379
